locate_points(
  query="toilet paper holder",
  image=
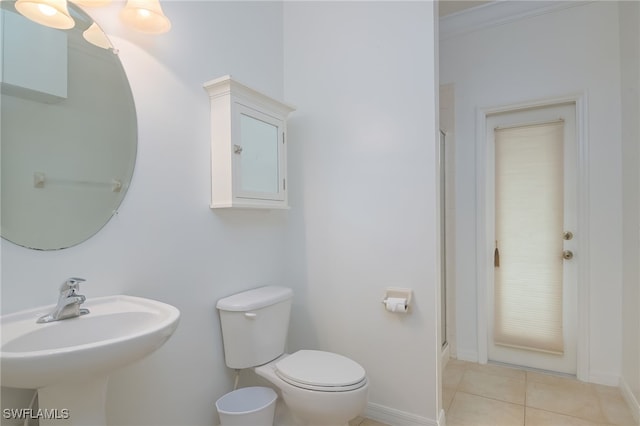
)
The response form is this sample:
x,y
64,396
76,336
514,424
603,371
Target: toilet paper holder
x,y
396,293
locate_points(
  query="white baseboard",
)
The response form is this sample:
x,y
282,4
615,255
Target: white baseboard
x,y
629,396
601,378
445,355
441,420
471,356
394,417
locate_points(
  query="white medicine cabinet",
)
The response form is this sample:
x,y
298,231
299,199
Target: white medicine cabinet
x,y
248,147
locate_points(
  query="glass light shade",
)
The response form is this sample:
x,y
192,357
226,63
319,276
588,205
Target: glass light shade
x,y
96,36
50,13
145,16
91,3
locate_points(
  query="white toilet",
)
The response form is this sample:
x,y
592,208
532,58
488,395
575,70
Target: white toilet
x,y
319,388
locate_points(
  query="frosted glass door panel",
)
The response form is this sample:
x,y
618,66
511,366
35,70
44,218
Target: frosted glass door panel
x,y
259,164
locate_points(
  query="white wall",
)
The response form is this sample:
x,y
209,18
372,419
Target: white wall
x,y
574,50
362,166
630,93
165,242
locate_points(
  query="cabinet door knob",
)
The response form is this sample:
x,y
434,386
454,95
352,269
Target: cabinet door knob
x,y
567,235
237,149
567,254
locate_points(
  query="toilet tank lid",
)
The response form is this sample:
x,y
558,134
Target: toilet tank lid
x,y
254,299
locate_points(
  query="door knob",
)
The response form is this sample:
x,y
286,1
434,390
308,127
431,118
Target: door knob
x,y
567,235
567,254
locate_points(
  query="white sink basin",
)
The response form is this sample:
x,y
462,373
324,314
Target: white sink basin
x,y
74,356
117,331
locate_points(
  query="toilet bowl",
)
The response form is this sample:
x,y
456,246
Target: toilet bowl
x,y
320,388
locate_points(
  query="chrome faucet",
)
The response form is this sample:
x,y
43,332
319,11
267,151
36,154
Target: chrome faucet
x,y
69,302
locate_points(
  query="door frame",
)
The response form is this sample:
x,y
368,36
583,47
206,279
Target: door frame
x,y
485,211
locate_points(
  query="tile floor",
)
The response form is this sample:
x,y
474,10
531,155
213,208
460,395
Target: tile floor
x,y
361,421
493,395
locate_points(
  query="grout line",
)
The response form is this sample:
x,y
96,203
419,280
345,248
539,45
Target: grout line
x,y
492,398
533,370
466,367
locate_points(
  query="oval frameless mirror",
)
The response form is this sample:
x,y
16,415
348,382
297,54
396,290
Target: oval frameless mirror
x,y
68,135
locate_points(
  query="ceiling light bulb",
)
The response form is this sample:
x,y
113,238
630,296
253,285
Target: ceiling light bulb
x,y
47,10
145,16
50,13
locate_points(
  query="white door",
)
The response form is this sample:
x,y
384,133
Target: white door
x,y
532,298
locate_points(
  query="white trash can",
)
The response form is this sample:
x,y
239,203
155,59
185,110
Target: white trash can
x,y
254,406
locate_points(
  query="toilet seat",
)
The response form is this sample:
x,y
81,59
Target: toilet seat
x,y
321,371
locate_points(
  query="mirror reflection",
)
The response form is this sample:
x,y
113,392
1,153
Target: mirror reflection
x,y
68,135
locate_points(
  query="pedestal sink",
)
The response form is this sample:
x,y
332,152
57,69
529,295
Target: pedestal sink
x,y
69,361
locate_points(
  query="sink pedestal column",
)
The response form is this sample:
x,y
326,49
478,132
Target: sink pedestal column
x,y
74,404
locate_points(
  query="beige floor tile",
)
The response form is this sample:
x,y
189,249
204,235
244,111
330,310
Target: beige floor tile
x,y
457,362
356,421
453,374
493,386
548,378
614,407
567,397
467,410
498,370
475,394
535,417
447,397
362,421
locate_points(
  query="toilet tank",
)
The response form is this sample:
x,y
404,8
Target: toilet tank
x,y
254,325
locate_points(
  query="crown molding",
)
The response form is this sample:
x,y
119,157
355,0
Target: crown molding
x,y
498,13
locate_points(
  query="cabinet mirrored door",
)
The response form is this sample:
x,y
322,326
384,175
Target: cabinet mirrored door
x,y
259,156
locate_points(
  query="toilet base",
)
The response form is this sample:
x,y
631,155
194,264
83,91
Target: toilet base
x,y
310,407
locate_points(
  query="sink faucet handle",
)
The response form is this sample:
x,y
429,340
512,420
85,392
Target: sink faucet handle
x,y
71,284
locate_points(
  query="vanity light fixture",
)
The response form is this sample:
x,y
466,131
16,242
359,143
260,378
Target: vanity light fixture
x,y
145,16
91,3
97,37
50,13
142,15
